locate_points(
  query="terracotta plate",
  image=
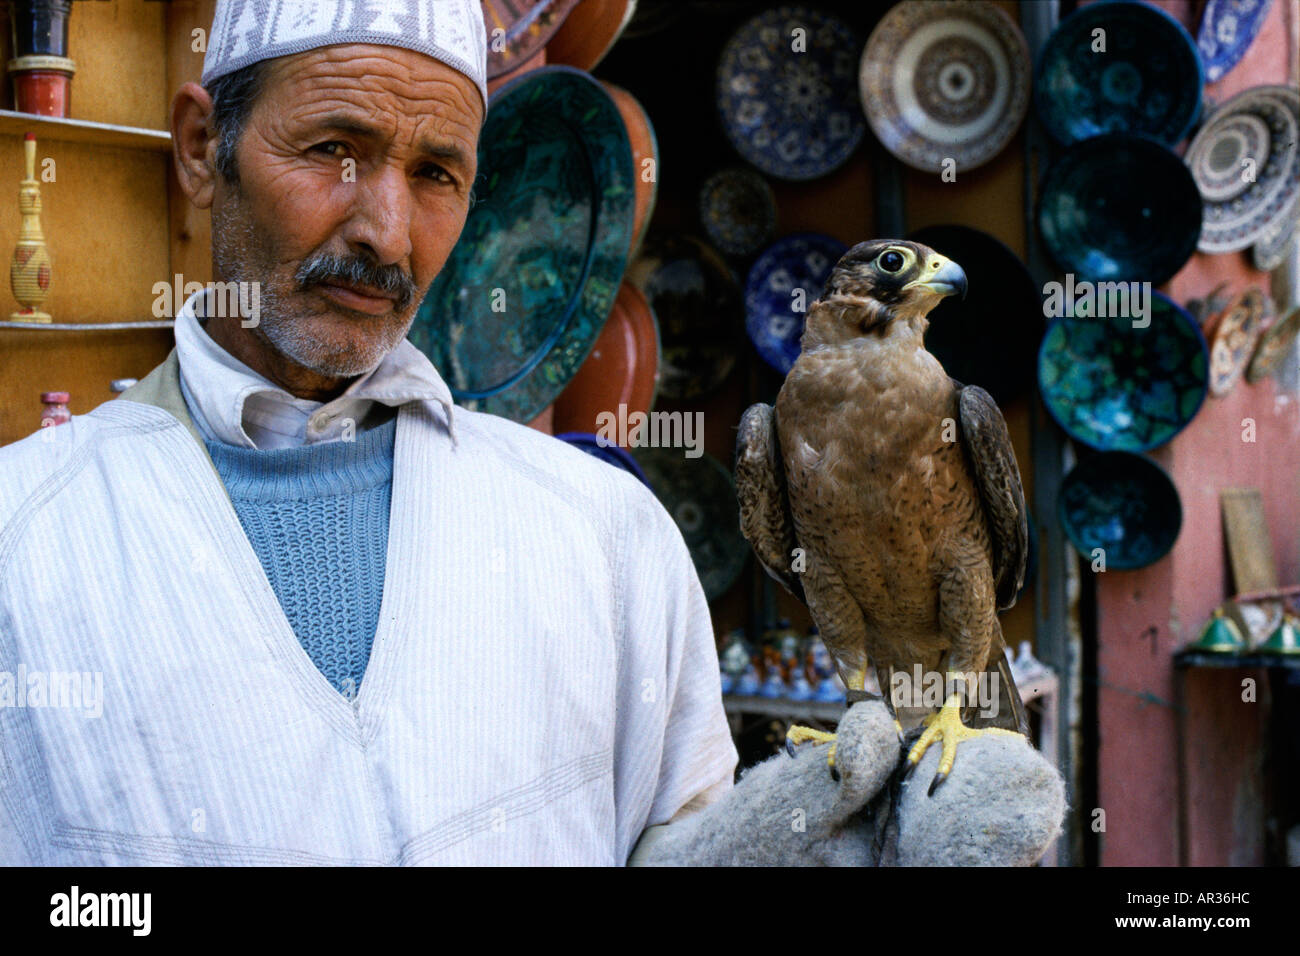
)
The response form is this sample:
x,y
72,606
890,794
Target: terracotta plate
x,y
590,31
645,159
622,369
517,30
1233,340
1274,345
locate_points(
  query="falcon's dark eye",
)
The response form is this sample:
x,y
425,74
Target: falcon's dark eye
x,y
891,260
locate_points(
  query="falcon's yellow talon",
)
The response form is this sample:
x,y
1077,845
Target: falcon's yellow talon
x,y
946,726
798,735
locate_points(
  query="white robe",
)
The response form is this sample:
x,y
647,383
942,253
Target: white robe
x,y
543,684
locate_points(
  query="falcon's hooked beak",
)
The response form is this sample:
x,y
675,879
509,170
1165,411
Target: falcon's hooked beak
x,y
941,276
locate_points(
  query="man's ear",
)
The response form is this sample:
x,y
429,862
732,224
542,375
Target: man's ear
x,y
194,143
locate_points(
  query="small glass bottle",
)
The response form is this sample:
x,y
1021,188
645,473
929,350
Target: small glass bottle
x,y
56,409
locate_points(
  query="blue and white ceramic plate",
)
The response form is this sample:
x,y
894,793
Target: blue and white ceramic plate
x,y
610,454
945,81
786,278
1147,81
1119,388
1228,28
787,92
1246,165
1123,504
1119,208
738,211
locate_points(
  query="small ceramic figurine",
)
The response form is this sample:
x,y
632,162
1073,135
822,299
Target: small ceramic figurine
x,y
29,270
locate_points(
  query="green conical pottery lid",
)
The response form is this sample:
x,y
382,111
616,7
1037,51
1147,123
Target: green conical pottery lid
x,y
1285,639
1220,636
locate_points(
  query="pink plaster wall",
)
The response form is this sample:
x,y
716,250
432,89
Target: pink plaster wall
x,y
1138,786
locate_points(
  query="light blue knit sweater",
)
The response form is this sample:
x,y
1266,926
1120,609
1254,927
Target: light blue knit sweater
x,y
317,517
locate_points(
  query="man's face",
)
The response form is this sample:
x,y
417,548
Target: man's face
x,y
355,168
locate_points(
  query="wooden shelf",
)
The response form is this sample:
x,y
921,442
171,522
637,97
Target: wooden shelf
x,y
85,326
84,131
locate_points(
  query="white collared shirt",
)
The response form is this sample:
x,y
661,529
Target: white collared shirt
x,y
231,403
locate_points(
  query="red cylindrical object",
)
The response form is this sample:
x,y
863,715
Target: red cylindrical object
x,y
43,92
56,409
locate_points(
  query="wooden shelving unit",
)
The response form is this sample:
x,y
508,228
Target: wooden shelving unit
x,y
84,131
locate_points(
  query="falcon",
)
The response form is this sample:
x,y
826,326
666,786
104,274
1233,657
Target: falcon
x,y
885,495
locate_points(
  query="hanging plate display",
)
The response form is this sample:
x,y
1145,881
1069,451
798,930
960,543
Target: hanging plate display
x,y
700,496
738,211
1274,345
517,30
525,292
787,92
1228,28
645,159
1270,249
1233,339
621,371
1124,506
1119,207
1247,166
786,278
945,81
1146,80
990,337
1119,388
700,312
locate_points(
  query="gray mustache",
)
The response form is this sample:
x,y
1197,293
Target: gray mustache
x,y
357,270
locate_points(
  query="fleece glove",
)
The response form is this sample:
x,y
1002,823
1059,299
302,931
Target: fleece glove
x,y
1002,805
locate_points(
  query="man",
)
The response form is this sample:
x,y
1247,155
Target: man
x,y
338,620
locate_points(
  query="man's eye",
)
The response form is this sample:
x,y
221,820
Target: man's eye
x,y
435,172
332,148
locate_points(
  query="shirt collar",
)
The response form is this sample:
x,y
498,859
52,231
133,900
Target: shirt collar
x,y
231,403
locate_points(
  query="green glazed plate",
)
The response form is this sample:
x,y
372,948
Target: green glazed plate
x,y
701,497
526,290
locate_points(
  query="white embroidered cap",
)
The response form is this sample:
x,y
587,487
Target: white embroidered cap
x,y
245,31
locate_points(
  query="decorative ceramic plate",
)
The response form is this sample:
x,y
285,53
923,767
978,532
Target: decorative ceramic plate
x,y
645,159
517,30
1119,207
612,454
793,113
700,312
738,211
622,369
990,338
590,32
1119,388
1148,80
700,495
1247,166
1228,27
1274,346
1123,504
526,290
1270,249
1233,340
945,81
786,278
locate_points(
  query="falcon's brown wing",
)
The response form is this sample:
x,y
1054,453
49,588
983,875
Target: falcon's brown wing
x,y
765,518
997,477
